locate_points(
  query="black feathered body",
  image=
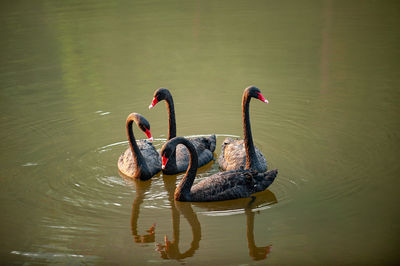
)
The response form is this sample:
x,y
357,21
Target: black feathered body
x,y
233,156
205,147
231,185
127,166
220,186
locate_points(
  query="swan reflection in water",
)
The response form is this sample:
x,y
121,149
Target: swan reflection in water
x,y
170,248
256,253
141,188
250,206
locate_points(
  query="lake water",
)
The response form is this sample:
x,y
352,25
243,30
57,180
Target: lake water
x,y
72,72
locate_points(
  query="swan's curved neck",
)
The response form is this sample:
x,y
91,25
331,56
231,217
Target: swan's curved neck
x,y
171,117
182,192
136,154
251,157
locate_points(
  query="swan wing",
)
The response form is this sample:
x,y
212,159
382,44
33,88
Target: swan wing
x,y
151,156
202,146
233,156
223,186
126,162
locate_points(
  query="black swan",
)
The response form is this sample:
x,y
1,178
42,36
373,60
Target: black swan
x,y
179,162
237,154
140,160
221,186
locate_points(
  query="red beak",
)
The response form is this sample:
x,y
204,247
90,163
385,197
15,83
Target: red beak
x,y
154,102
148,134
261,97
163,162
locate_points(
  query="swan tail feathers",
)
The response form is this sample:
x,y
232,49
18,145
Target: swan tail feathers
x,y
271,174
212,142
264,180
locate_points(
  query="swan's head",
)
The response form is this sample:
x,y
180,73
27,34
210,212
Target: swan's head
x,y
166,151
255,93
159,95
170,146
143,124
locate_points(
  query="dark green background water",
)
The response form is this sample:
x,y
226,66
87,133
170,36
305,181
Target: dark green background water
x,y
71,72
